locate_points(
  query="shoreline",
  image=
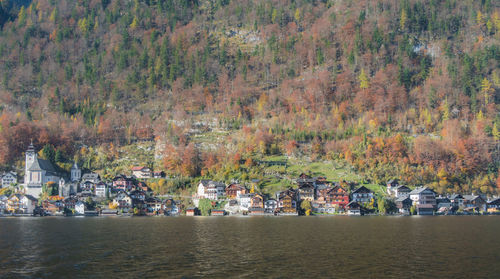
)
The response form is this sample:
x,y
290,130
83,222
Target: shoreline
x,y
240,216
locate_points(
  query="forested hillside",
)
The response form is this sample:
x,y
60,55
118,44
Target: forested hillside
x,y
398,89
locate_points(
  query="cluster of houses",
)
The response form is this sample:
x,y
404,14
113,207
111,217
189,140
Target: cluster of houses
x,y
324,198
87,194
425,201
79,194
331,198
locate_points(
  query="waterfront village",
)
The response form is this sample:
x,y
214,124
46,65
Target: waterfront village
x,y
129,195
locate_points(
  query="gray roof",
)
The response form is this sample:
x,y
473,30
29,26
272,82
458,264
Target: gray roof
x,y
323,186
362,189
471,197
41,164
495,201
205,182
455,196
12,173
90,176
402,198
419,190
442,200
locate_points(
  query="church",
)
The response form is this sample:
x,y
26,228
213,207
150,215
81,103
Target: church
x,y
39,172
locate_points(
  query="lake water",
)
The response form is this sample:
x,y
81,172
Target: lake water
x,y
250,247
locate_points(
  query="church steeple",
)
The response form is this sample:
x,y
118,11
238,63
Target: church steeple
x,y
76,173
30,155
31,148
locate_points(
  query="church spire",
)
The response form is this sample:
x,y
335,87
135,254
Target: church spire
x,y
31,147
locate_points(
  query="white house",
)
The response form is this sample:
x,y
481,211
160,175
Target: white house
x,y
208,189
123,201
423,195
27,204
100,189
270,205
401,191
424,200
80,208
9,179
245,201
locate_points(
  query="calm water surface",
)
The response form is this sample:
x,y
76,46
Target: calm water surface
x,y
251,247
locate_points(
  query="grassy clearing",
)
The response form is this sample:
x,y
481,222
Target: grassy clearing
x,y
332,170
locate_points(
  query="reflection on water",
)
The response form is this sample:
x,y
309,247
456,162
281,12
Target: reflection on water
x,y
243,247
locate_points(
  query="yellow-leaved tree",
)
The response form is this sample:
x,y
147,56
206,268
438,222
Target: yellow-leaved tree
x,y
53,15
363,80
495,132
134,23
479,17
297,15
485,89
445,109
402,20
21,16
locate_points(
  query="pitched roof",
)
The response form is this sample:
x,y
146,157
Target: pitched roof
x,y
401,187
323,186
234,185
90,176
289,192
494,202
402,198
10,173
139,168
419,190
204,182
353,204
471,197
337,188
41,164
305,186
456,196
442,199
361,190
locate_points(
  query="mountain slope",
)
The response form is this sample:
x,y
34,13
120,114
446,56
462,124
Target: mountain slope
x,y
405,89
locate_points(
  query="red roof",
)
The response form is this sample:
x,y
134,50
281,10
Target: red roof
x,y
138,168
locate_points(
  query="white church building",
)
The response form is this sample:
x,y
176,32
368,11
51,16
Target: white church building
x,y
39,172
